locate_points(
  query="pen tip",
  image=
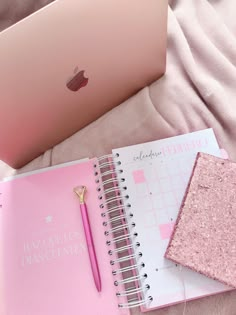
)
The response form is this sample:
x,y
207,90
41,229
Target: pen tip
x,y
99,287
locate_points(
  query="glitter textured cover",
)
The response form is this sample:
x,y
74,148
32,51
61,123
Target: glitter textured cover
x,y
204,238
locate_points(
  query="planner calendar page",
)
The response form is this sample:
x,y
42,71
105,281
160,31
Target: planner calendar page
x,y
156,176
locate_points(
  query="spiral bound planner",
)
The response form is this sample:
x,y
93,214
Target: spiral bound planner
x,y
133,198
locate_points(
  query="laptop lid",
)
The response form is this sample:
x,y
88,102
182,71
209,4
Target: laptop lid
x,y
69,63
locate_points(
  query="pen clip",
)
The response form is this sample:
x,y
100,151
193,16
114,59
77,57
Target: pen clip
x,y
80,192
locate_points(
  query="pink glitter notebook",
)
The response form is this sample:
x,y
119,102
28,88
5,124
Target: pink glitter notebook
x,y
133,199
204,238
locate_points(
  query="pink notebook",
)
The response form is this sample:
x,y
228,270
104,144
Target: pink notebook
x,y
44,263
204,237
133,200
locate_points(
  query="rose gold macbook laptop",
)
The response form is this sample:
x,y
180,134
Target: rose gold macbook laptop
x,y
69,63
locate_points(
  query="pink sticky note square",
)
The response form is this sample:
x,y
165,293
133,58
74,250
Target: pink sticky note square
x,y
166,230
139,176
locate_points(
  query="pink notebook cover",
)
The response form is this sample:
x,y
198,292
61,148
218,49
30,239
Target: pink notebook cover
x,y
204,237
44,263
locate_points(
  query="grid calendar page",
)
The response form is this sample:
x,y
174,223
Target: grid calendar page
x,y
156,175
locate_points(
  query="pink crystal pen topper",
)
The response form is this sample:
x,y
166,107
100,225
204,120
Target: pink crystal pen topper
x,y
80,192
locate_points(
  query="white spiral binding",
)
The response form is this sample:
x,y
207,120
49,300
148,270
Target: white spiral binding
x,y
132,290
128,268
134,303
121,238
113,209
120,229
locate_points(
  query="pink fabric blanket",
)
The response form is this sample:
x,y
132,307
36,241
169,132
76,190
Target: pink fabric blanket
x,y
198,91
